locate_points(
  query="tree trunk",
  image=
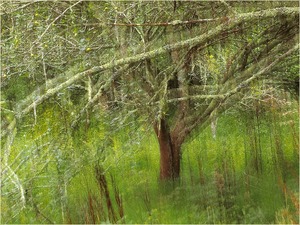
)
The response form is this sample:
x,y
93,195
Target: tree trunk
x,y
169,152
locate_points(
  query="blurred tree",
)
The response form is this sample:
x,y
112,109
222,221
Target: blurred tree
x,y
177,65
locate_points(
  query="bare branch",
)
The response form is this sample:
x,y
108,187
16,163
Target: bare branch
x,y
47,28
202,39
262,71
216,103
172,23
192,97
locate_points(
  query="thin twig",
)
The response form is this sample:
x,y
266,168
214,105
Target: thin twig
x,y
47,28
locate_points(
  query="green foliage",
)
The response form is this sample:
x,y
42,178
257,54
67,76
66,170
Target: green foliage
x,y
219,183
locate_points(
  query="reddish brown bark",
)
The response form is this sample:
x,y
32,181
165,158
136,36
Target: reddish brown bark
x,y
169,152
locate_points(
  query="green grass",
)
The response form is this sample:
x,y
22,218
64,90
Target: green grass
x,y
219,183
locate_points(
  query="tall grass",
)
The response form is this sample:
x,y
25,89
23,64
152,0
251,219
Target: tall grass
x,y
247,173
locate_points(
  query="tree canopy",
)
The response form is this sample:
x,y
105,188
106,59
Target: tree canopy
x,y
177,65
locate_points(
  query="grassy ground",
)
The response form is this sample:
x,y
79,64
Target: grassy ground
x,y
248,174
229,179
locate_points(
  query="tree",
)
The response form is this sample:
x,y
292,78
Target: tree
x,y
177,64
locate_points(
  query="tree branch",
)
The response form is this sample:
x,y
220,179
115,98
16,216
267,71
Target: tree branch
x,y
163,24
216,104
231,23
262,71
47,28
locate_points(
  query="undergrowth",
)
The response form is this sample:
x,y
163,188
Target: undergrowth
x,y
247,173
